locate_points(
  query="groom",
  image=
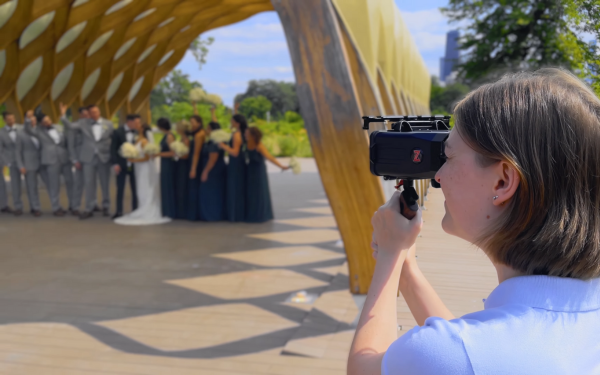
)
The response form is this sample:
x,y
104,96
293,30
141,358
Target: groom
x,y
123,168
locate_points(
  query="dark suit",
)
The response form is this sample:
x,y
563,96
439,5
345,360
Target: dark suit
x,y
118,138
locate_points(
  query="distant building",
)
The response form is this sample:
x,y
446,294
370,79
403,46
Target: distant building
x,y
448,62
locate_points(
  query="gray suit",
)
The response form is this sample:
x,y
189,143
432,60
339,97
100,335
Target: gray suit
x,y
74,143
55,162
28,156
8,158
95,157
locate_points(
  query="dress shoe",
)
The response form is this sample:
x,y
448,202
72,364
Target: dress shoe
x,y
59,213
6,210
117,215
86,215
36,213
105,212
18,212
74,212
96,209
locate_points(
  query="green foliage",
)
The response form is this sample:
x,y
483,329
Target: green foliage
x,y
443,99
288,145
199,49
175,87
282,95
285,138
255,107
179,111
291,116
511,35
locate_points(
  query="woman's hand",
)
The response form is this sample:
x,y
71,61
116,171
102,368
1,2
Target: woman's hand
x,y
285,168
392,232
204,176
221,146
193,174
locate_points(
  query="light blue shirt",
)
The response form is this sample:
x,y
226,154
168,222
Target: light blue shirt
x,y
530,325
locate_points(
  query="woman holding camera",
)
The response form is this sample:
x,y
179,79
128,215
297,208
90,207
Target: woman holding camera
x,y
522,182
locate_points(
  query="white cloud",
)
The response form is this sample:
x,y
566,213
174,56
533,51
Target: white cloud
x,y
430,42
239,48
260,69
431,20
256,31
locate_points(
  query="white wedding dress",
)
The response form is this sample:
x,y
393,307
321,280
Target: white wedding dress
x,y
147,180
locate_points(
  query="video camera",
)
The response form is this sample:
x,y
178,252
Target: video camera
x,y
412,150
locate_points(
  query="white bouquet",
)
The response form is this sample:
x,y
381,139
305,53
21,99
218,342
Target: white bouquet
x,y
180,149
213,99
197,95
295,165
128,151
151,149
219,136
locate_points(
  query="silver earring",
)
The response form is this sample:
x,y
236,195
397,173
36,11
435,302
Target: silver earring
x,y
496,197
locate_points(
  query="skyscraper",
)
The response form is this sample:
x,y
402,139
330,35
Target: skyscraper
x,y
448,62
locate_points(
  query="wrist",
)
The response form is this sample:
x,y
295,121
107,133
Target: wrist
x,y
410,272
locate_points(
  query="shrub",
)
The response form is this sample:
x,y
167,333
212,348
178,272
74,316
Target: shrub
x,y
291,116
288,145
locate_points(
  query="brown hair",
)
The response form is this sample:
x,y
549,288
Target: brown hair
x,y
547,125
256,134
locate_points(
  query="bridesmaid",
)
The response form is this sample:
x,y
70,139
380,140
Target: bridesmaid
x,y
258,195
213,180
199,135
236,170
182,172
167,169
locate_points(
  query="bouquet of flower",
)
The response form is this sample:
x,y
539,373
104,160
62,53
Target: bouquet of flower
x,y
180,149
197,95
151,149
128,151
219,136
295,165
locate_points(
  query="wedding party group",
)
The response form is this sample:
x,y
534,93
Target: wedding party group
x,y
197,172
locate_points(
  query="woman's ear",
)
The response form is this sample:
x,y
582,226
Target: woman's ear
x,y
507,182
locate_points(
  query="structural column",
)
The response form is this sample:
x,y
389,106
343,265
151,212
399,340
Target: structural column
x,y
332,115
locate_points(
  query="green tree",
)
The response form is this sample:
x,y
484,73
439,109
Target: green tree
x,y
443,99
282,95
511,35
255,107
175,87
199,49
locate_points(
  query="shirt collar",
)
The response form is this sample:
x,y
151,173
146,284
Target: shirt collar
x,y
548,293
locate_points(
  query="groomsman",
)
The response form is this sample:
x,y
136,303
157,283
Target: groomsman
x,y
54,159
28,160
121,166
74,143
8,141
96,135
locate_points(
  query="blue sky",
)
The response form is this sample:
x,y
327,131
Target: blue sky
x,y
256,49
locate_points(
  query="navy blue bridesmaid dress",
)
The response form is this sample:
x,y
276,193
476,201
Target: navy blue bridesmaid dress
x,y
212,192
167,181
193,212
182,176
236,186
258,196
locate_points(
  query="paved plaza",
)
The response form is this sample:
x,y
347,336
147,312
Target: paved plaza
x,y
91,297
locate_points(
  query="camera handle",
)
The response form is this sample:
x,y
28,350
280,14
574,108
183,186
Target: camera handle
x,y
408,199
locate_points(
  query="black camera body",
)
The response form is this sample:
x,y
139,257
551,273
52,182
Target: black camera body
x,y
412,150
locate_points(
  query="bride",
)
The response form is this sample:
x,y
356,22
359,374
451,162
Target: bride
x,y
149,211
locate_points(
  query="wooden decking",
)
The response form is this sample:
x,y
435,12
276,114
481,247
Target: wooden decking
x,y
94,298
